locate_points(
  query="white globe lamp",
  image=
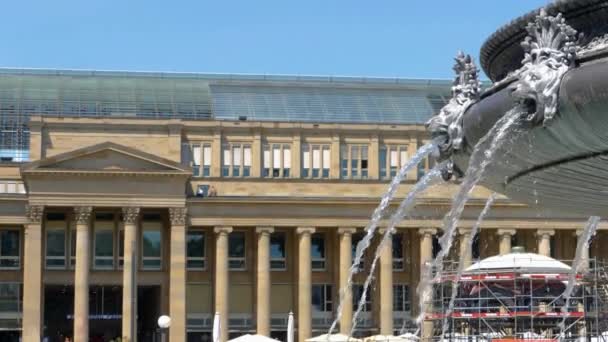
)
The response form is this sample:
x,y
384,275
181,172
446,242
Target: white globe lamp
x,y
164,322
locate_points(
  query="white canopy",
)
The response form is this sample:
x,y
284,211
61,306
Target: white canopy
x,y
253,338
521,262
333,338
387,338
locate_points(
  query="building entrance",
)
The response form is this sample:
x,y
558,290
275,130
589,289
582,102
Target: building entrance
x,y
105,312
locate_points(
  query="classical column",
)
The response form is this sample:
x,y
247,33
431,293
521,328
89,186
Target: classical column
x,y
221,278
386,285
426,256
544,241
304,283
584,253
177,282
346,261
263,281
32,270
82,216
504,244
466,253
129,274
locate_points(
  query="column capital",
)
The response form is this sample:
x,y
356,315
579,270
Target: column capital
x,y
82,214
34,213
427,231
346,230
305,230
547,232
222,229
264,230
178,216
502,232
130,214
382,230
465,231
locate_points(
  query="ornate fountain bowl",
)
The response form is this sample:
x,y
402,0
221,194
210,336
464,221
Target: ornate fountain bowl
x,y
558,160
502,53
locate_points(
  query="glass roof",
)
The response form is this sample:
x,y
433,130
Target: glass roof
x,y
194,96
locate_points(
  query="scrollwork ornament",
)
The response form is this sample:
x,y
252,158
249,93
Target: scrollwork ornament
x,y
446,127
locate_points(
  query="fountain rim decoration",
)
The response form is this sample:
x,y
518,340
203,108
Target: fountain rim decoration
x,y
507,39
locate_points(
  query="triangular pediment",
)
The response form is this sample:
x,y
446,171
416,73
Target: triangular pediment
x,y
107,157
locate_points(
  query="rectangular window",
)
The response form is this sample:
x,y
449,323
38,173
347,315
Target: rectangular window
x,y
355,239
398,253
200,160
354,161
196,250
277,160
121,247
151,246
317,252
321,298
72,248
401,298
316,161
278,255
9,249
357,294
55,248
236,160
392,158
104,247
236,251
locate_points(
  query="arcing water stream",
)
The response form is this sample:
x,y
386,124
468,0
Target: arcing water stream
x,y
431,178
461,263
480,159
378,214
577,266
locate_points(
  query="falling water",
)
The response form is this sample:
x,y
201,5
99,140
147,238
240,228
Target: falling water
x,y
480,158
577,265
431,178
461,263
370,229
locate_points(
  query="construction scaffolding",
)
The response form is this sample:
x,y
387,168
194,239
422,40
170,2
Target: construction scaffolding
x,y
518,305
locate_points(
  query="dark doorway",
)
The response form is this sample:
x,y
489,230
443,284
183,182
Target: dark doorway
x,y
148,311
105,312
58,311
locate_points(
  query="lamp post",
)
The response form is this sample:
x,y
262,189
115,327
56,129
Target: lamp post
x,y
164,322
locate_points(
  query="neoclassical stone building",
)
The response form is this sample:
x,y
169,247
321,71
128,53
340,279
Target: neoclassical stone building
x,y
124,196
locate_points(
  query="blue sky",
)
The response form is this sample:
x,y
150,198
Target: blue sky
x,y
403,38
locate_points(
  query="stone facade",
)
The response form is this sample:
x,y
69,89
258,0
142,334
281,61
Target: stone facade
x,y
131,177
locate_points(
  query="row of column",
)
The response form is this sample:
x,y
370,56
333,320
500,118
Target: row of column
x,y
304,313
33,286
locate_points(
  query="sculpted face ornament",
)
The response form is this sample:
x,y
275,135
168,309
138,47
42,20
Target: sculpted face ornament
x,y
446,126
550,51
